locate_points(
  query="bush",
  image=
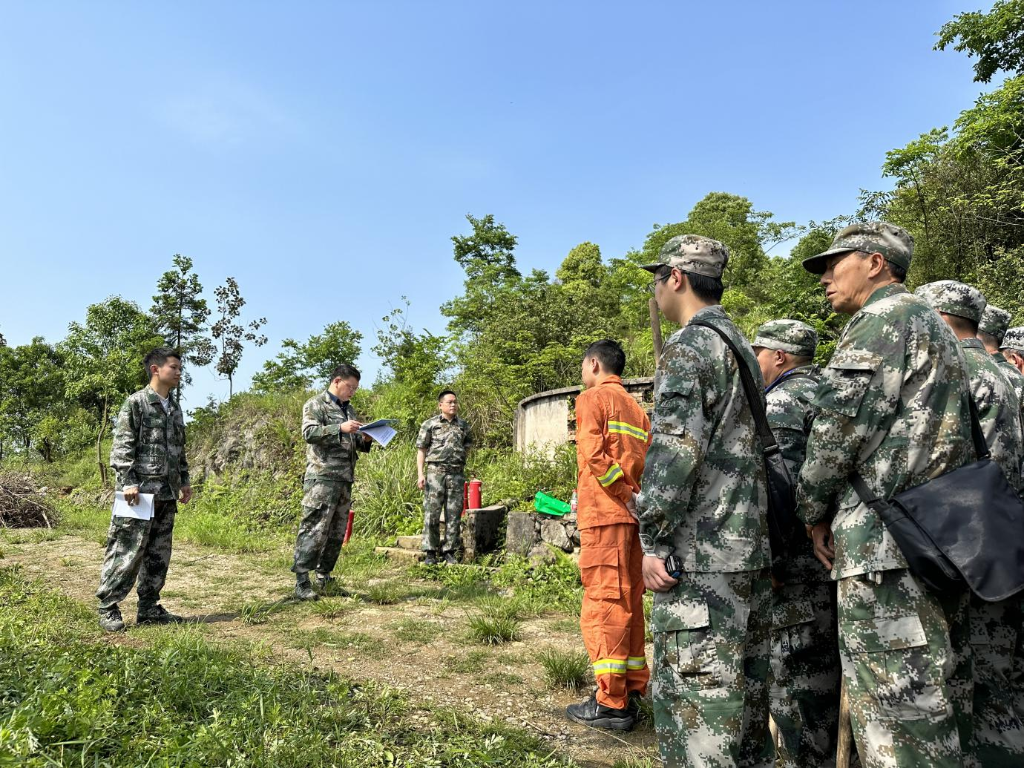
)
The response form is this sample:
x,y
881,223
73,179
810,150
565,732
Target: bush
x,y
565,669
494,630
518,476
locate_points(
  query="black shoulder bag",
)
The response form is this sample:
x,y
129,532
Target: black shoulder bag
x,y
962,529
781,492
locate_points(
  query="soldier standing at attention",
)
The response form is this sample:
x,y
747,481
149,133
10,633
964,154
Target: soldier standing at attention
x,y
804,687
998,732
704,501
442,444
148,456
612,434
891,406
991,331
331,432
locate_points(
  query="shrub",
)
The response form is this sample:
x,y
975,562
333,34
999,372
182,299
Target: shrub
x,y
565,669
494,630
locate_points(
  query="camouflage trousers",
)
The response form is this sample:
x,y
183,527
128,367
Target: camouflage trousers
x,y
442,491
138,553
325,509
711,669
907,667
804,682
998,731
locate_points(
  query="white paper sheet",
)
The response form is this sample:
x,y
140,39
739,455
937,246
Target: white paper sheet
x,y
143,510
379,430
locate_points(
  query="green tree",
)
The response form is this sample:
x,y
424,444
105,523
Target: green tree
x,y
103,360
995,38
31,386
180,313
231,334
301,364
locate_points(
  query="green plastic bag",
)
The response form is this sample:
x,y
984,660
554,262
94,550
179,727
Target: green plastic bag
x,y
549,505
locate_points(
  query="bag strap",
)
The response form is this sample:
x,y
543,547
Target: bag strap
x,y
753,392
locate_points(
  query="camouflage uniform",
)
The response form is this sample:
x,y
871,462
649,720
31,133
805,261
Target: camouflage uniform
x,y
446,442
804,684
704,498
998,731
891,406
148,453
327,486
1013,339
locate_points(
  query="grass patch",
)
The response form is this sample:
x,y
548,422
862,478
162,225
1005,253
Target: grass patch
x,y
469,662
258,613
332,609
565,669
416,630
385,593
70,698
494,630
502,679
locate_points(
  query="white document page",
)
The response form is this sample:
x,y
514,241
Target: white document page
x,y
379,430
143,510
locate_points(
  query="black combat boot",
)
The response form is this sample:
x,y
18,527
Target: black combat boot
x,y
156,614
430,558
303,589
110,619
450,558
596,715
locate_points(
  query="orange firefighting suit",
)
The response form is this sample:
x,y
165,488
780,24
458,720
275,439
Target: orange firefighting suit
x,y
612,435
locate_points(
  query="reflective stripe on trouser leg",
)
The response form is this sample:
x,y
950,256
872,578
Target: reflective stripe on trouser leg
x,y
612,617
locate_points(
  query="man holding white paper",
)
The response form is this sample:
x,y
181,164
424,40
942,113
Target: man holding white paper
x,y
151,472
331,431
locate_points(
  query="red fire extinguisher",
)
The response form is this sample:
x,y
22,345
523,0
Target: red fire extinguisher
x,y
475,494
348,527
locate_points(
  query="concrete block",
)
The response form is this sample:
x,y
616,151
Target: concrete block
x,y
481,529
520,533
410,542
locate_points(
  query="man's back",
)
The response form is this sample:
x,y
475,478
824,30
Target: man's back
x,y
704,485
998,409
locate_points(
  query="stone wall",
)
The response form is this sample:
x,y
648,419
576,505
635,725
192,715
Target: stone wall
x,y
529,534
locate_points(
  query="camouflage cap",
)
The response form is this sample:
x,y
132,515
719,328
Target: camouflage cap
x,y
1014,339
789,336
692,253
953,298
994,322
893,242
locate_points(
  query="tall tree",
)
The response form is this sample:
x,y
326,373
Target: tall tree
x,y
231,334
103,360
180,313
301,364
995,38
31,385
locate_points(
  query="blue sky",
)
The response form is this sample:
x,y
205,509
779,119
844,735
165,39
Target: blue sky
x,y
323,153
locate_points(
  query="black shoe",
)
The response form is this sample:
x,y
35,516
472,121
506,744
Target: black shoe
x,y
328,585
589,712
156,614
431,558
634,705
110,619
304,591
450,559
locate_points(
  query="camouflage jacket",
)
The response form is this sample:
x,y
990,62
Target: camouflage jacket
x,y
1015,377
998,410
703,484
446,442
790,415
891,405
149,447
330,453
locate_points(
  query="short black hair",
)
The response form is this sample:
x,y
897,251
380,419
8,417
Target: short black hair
x,y
609,354
989,340
345,371
158,357
445,392
899,274
707,289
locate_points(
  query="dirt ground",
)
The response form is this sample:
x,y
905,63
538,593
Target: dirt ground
x,y
417,645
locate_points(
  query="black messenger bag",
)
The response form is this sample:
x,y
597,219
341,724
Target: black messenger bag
x,y
782,520
962,529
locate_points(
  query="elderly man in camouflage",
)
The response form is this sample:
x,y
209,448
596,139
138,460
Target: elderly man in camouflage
x,y
331,431
998,732
804,682
891,407
148,456
442,444
704,500
991,331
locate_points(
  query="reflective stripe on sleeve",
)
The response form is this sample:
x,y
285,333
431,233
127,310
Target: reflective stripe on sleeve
x,y
610,476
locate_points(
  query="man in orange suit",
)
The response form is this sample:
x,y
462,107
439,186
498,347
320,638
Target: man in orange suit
x,y
612,435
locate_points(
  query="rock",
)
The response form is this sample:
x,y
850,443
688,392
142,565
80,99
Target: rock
x,y
554,533
481,529
410,542
542,554
520,533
